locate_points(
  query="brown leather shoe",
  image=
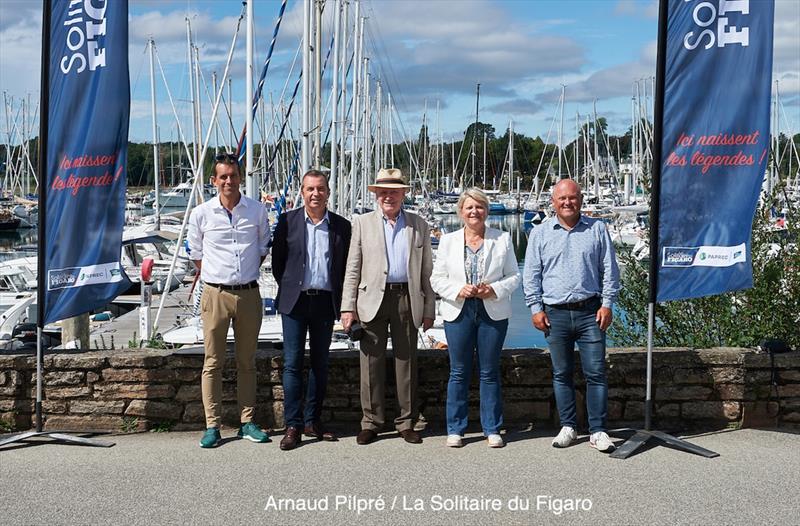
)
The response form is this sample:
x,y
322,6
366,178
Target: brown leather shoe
x,y
291,439
366,436
411,436
317,431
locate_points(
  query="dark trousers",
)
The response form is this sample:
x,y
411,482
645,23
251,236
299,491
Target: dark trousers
x,y
312,315
394,314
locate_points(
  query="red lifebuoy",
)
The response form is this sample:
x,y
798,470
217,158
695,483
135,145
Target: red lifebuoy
x,y
147,269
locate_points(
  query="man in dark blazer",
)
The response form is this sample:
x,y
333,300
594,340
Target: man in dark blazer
x,y
309,252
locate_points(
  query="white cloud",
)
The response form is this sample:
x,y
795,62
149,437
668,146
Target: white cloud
x,y
478,43
637,8
20,47
515,107
786,47
608,83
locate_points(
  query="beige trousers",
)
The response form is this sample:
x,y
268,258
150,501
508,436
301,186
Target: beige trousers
x,y
218,309
394,314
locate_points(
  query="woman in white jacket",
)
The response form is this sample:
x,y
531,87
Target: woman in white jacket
x,y
475,274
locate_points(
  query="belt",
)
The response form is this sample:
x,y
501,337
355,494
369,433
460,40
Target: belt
x,y
245,286
397,286
576,305
315,292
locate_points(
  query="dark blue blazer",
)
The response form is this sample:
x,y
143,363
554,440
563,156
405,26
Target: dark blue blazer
x,y
289,257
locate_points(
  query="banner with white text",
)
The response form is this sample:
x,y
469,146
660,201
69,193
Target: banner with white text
x,y
715,143
89,100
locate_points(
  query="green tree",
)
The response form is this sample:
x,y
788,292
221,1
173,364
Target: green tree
x,y
770,309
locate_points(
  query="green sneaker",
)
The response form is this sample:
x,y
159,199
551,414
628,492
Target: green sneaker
x,y
211,438
252,432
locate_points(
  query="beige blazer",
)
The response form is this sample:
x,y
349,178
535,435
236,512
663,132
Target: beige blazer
x,y
500,270
367,267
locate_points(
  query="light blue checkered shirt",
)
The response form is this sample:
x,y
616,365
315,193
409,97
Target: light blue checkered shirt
x,y
565,266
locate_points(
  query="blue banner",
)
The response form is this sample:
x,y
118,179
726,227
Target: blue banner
x,y
89,100
715,143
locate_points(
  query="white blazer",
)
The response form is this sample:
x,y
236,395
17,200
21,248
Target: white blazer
x,y
501,271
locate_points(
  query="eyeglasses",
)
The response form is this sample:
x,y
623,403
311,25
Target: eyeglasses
x,y
226,158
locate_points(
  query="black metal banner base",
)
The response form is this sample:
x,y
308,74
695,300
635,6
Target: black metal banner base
x,y
641,437
57,436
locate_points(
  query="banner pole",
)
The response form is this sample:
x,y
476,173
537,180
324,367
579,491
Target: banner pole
x,y
44,123
641,437
648,403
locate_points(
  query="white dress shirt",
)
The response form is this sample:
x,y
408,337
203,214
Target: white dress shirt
x,y
230,245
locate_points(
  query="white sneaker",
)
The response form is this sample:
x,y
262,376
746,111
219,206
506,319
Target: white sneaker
x,y
601,442
454,441
565,437
495,440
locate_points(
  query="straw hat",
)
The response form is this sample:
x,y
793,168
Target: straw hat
x,y
389,178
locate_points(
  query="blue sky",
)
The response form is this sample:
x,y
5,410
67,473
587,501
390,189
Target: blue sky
x,y
521,51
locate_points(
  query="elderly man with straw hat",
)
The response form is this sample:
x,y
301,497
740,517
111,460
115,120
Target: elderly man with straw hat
x,y
387,288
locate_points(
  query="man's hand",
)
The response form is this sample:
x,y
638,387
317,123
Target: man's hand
x,y
540,321
485,291
467,291
604,317
347,320
427,323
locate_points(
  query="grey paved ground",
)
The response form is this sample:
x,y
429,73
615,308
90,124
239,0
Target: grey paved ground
x,y
165,478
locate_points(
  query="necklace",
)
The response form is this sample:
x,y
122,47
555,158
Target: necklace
x,y
474,240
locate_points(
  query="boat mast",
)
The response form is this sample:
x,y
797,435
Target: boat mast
x,y
198,110
439,153
561,130
317,124
378,137
475,130
391,130
575,147
216,131
510,155
484,159
629,177
251,187
365,151
151,44
305,127
355,97
345,36
191,88
596,154
333,201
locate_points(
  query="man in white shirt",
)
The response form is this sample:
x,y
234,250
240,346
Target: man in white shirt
x,y
228,237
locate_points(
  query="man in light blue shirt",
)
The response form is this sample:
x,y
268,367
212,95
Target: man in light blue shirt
x,y
396,248
571,280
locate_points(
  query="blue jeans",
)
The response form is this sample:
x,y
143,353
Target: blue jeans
x,y
473,330
566,328
312,314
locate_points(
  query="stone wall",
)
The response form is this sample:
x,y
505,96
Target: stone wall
x,y
136,390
